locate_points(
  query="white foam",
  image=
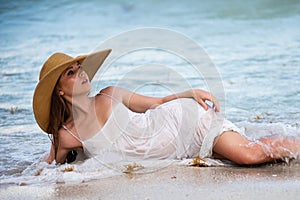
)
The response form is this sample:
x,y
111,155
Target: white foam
x,y
88,169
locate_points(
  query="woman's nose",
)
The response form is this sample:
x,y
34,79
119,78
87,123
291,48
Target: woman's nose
x,y
81,72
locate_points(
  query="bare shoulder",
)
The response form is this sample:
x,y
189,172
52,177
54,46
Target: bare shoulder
x,y
115,91
102,98
106,95
109,90
104,103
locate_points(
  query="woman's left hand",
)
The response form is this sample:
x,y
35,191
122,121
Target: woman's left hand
x,y
201,96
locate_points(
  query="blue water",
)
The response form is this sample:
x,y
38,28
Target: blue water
x,y
255,46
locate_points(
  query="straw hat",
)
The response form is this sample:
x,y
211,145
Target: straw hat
x,y
49,75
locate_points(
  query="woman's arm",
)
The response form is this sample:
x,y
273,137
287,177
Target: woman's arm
x,y
70,157
60,156
141,103
134,101
64,150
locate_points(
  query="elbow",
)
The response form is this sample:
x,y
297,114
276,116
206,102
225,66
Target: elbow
x,y
164,100
156,103
160,101
69,158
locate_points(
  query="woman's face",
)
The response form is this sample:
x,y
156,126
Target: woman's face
x,y
74,81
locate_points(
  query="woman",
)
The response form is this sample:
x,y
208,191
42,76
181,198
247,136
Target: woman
x,y
176,126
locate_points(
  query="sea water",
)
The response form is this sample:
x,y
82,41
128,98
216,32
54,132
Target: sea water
x,y
254,45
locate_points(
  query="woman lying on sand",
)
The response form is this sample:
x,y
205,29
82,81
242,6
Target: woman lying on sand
x,y
172,127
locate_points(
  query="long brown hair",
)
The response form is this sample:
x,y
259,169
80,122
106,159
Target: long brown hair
x,y
59,113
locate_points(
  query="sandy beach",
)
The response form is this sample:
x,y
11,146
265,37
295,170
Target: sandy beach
x,y
176,182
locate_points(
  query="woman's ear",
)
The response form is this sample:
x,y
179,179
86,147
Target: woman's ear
x,y
61,93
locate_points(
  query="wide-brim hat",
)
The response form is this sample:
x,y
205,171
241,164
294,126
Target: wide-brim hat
x,y
49,75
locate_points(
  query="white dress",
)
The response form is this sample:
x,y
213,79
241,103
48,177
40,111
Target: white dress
x,y
174,130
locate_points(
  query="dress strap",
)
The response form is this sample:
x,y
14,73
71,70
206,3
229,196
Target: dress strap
x,y
69,131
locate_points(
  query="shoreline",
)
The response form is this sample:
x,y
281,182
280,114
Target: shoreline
x,y
176,182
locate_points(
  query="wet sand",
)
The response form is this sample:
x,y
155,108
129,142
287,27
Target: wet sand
x,y
176,182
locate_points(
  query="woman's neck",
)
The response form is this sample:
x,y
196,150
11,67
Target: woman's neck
x,y
80,106
83,117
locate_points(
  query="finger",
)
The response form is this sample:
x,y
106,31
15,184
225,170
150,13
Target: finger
x,y
217,108
216,105
214,101
203,104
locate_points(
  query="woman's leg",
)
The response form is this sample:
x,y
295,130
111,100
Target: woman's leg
x,y
233,146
